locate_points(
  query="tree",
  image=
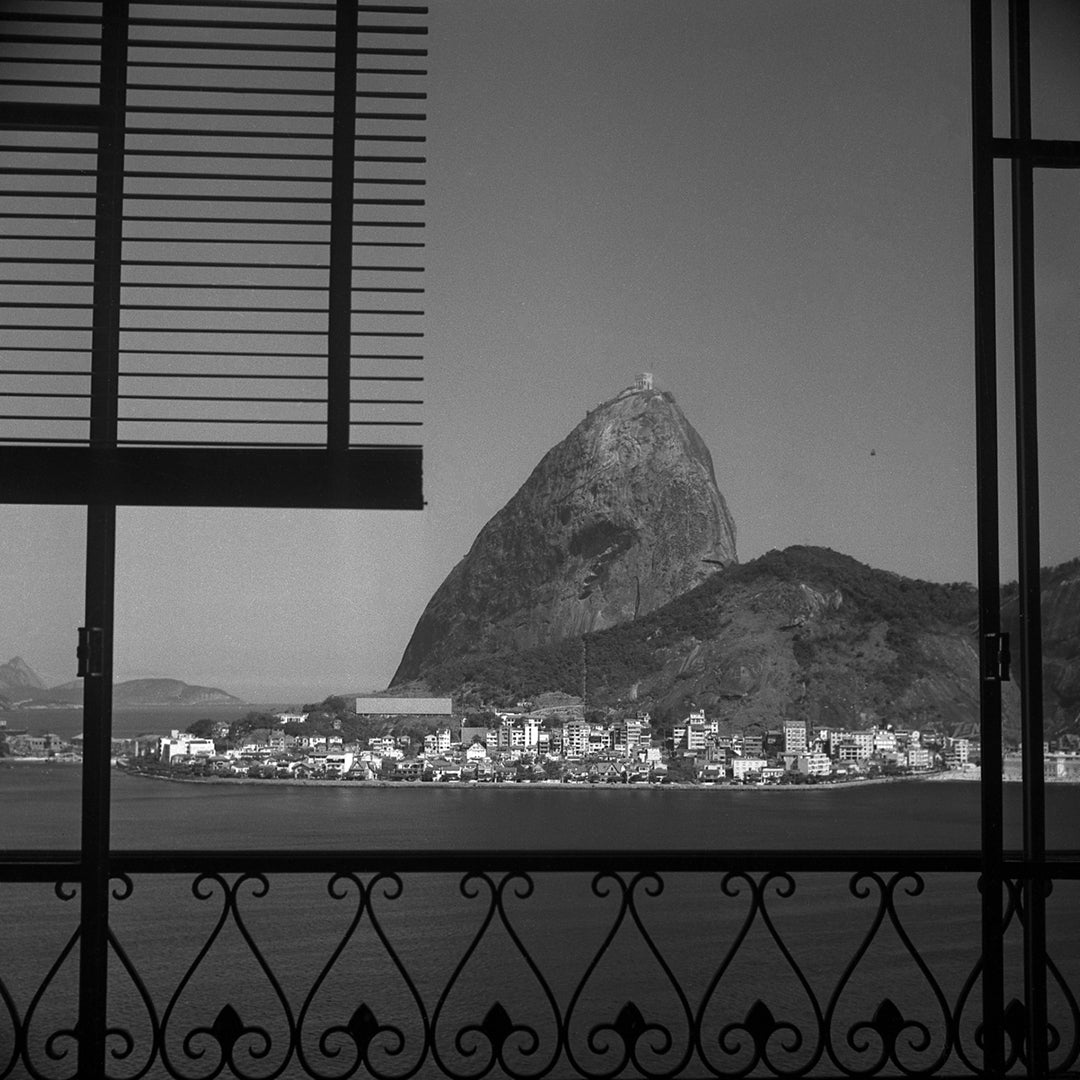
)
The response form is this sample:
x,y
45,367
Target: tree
x,y
554,770
250,722
682,770
203,729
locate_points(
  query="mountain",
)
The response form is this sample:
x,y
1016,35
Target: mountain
x,y
16,676
619,518
135,693
801,633
1060,609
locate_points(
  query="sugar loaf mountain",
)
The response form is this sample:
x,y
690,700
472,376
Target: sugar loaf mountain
x,y
614,568
620,518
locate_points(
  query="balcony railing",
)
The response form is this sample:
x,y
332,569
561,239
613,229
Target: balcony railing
x,y
529,965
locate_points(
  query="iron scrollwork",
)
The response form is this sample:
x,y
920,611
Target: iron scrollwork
x,y
509,1044
897,1038
59,1045
642,1043
371,1039
237,1041
471,1023
766,1034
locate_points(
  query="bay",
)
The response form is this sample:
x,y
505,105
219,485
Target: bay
x,y
40,808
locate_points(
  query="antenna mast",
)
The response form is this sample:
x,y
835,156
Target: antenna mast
x,y
584,675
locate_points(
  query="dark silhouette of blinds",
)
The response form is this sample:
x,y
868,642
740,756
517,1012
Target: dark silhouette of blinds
x,y
211,252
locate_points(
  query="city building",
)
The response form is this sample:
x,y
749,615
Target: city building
x,y
745,768
884,740
575,738
794,737
813,764
181,744
918,757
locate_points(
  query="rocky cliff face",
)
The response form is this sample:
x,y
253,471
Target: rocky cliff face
x,y
619,518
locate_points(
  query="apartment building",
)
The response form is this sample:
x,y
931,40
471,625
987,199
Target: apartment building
x,y
575,738
813,764
795,737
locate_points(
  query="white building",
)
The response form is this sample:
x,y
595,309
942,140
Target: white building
x,y
918,757
181,744
884,741
530,725
291,717
437,742
339,762
813,764
960,749
744,767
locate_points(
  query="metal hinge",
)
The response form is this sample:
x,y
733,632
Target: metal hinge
x,y
89,651
1000,657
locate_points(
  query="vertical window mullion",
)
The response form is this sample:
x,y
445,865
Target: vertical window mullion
x,y
101,546
109,225
1027,495
986,453
339,317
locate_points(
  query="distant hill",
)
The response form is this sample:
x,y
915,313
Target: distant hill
x,y
142,693
20,686
801,633
1060,603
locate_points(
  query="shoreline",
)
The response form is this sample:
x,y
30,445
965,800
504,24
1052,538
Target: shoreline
x,y
946,777
514,785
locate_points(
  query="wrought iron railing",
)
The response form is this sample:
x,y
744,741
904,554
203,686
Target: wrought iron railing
x,y
531,965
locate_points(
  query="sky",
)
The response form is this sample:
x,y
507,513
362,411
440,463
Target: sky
x,y
765,204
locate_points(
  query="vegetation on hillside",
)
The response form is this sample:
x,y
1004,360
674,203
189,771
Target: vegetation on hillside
x,y
825,647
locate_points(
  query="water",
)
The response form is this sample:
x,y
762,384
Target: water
x,y
597,957
39,808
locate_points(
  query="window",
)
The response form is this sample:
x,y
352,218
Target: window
x,y
226,311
